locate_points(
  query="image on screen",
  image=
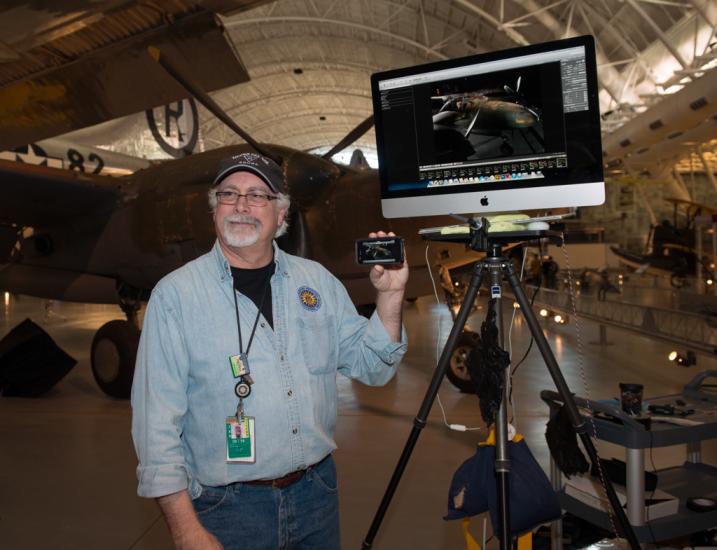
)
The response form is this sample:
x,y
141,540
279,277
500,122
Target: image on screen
x,y
509,130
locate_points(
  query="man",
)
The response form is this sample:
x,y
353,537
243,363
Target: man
x,y
234,395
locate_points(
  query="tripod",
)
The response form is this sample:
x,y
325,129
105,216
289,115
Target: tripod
x,y
498,267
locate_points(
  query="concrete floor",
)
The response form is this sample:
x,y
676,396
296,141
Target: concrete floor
x,y
67,478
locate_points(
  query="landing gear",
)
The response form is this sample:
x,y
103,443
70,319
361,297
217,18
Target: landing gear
x,y
457,371
114,350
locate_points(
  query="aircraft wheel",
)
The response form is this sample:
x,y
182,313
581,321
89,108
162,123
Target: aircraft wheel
x,y
114,350
457,371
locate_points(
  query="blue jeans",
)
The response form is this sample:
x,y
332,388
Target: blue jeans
x,y
302,516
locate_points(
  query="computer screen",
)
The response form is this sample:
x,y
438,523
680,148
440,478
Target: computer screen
x,y
496,132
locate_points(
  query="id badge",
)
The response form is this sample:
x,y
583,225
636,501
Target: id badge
x,y
239,364
241,442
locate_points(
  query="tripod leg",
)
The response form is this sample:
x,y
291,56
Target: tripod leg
x,y
561,385
420,421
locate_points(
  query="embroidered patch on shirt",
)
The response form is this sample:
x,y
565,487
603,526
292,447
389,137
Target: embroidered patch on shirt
x,y
309,298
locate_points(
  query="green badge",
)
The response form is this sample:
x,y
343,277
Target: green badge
x,y
240,439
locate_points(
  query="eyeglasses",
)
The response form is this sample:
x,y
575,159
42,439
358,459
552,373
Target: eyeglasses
x,y
252,199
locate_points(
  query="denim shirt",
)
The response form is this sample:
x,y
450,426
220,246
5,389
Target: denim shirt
x,y
183,388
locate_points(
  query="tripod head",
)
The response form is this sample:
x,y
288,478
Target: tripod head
x,y
480,239
478,231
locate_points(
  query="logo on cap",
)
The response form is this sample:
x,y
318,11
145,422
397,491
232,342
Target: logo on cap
x,y
309,298
261,166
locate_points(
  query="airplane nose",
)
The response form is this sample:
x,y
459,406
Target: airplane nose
x,y
524,120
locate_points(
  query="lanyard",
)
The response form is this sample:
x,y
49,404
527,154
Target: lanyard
x,y
256,321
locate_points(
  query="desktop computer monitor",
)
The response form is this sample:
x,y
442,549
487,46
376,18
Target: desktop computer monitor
x,y
496,132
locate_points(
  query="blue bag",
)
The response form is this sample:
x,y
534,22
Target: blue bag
x,y
532,499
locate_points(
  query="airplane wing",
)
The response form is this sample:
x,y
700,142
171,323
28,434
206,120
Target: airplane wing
x,y
95,66
38,195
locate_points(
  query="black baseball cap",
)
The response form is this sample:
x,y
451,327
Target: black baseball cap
x,y
257,164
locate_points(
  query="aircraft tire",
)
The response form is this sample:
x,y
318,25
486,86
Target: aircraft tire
x,y
457,371
114,350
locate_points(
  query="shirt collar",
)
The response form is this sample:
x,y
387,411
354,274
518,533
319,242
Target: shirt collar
x,y
225,271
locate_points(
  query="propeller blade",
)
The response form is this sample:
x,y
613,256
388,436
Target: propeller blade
x,y
352,136
470,126
207,101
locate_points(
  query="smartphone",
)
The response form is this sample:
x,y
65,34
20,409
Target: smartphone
x,y
381,250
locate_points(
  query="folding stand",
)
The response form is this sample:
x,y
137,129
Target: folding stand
x,y
497,267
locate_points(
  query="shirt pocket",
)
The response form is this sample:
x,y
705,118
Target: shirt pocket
x,y
318,343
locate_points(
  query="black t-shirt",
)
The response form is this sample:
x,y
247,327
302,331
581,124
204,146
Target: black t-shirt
x,y
252,282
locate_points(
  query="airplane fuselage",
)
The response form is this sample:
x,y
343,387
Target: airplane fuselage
x,y
163,220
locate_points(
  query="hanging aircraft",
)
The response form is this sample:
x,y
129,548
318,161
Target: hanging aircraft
x,y
99,239
485,124
671,248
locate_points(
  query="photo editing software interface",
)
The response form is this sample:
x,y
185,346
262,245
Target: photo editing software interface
x,y
524,117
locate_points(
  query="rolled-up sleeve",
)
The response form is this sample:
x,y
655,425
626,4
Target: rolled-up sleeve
x,y
366,352
159,400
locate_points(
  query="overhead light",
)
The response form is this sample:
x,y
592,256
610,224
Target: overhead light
x,y
686,360
710,282
560,319
516,305
544,312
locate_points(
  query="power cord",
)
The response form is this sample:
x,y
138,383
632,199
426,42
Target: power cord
x,y
525,355
511,402
439,337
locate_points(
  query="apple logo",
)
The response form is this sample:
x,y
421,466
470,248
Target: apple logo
x,y
484,201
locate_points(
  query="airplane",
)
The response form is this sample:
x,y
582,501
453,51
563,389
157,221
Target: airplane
x,y
74,236
671,248
484,124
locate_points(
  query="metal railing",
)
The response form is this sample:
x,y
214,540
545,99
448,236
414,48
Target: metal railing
x,y
683,328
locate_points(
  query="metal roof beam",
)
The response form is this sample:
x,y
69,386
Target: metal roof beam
x,y
609,77
211,124
336,22
606,25
658,31
514,35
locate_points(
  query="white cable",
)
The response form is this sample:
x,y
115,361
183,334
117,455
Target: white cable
x,y
455,427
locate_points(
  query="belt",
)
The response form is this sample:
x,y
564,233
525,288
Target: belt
x,y
284,481
279,482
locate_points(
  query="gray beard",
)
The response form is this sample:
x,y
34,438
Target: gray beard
x,y
240,240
